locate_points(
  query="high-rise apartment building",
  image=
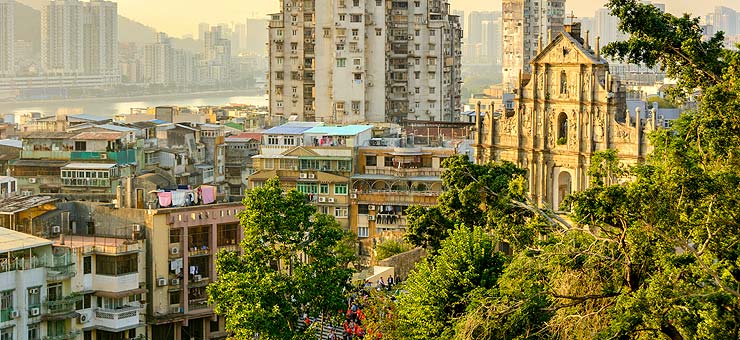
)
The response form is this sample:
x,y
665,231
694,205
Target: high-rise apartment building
x,y
7,38
101,38
724,19
524,23
158,66
351,61
80,38
62,36
216,54
605,27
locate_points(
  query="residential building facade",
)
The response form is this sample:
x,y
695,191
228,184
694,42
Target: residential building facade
x,y
62,37
355,61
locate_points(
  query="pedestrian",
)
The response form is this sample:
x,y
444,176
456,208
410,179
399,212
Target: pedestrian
x,y
390,282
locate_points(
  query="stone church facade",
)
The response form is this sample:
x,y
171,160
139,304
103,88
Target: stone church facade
x,y
568,108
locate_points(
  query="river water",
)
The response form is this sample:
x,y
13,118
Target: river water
x,y
108,107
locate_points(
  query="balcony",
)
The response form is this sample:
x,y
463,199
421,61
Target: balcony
x,y
64,336
121,157
196,304
120,283
60,269
402,172
117,319
63,307
54,155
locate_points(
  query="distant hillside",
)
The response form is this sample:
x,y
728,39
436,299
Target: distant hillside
x,y
27,25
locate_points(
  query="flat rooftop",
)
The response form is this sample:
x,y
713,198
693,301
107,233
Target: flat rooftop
x,y
13,240
15,204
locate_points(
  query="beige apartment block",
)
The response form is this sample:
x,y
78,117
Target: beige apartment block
x,y
352,61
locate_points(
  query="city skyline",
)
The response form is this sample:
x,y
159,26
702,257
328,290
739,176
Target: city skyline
x,y
192,12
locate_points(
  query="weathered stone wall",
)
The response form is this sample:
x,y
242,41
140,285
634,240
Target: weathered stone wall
x,y
404,262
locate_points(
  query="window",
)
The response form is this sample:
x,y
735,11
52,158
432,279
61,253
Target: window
x,y
33,332
378,32
279,61
417,3
175,298
342,17
6,304
344,165
340,212
55,328
358,77
363,209
355,3
416,90
272,140
371,160
341,62
340,106
227,234
356,18
34,297
84,303
355,32
116,265
327,32
87,265
357,61
378,2
355,105
562,128
289,140
324,188
363,231
388,161
432,32
417,32
279,75
340,189
175,235
417,74
6,333
80,146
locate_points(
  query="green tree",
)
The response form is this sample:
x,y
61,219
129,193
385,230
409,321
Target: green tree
x,y
487,196
391,247
439,288
293,261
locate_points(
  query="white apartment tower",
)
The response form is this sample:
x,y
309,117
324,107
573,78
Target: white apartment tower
x,y
7,39
101,38
351,61
216,54
524,23
158,66
62,37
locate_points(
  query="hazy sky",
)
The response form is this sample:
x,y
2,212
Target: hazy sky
x,y
179,17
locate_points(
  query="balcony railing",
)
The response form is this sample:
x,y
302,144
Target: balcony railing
x,y
117,318
196,304
64,336
38,154
60,269
63,305
121,157
402,172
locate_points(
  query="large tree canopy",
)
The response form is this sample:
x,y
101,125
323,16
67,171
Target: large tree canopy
x,y
293,261
656,257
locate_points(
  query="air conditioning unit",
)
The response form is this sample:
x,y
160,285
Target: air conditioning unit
x,y
411,110
56,229
358,67
370,207
84,318
303,175
15,314
176,310
331,200
354,196
175,282
103,155
411,37
370,84
33,291
35,311
31,180
137,228
371,217
311,175
197,278
175,250
161,282
355,38
300,67
322,199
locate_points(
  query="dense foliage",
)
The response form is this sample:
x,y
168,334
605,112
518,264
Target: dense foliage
x,y
391,247
648,252
293,261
